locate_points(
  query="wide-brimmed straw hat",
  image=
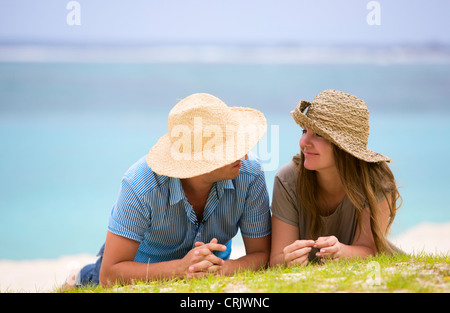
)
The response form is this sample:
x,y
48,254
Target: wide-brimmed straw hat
x,y
205,134
340,118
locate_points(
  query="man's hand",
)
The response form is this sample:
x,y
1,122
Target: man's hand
x,y
200,260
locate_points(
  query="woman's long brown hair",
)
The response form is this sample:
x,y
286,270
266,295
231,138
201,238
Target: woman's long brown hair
x,y
364,183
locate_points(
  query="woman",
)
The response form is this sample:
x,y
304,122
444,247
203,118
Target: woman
x,y
336,199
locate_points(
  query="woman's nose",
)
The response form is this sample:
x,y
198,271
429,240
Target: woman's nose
x,y
305,141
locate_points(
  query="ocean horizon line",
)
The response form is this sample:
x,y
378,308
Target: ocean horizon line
x,y
216,53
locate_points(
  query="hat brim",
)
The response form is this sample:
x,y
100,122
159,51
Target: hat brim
x,y
162,160
360,152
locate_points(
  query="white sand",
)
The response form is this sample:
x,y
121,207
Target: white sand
x,y
425,237
46,275
39,275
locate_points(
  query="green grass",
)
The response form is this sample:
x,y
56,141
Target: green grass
x,y
421,273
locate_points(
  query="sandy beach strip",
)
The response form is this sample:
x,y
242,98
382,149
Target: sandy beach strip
x,y
47,275
425,237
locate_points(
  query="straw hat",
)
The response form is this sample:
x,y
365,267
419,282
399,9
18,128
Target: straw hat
x,y
340,118
205,134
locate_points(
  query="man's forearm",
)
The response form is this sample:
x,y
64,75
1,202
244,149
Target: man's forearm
x,y
198,259
126,272
252,261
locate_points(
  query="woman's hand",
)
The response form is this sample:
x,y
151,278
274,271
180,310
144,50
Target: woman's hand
x,y
297,252
330,247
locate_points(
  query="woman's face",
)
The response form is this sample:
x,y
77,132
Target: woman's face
x,y
317,150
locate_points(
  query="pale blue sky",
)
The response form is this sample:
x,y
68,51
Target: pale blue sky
x,y
226,21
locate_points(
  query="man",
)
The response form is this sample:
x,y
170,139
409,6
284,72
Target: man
x,y
179,207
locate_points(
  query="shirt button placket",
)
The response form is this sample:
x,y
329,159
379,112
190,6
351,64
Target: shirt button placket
x,y
198,229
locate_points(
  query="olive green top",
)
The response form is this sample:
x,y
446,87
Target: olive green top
x,y
341,223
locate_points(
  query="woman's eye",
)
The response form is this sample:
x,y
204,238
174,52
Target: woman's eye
x,y
303,131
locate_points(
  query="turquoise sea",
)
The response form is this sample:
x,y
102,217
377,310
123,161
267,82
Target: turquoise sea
x,y
68,131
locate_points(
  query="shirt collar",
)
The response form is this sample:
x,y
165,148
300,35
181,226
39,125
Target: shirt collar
x,y
176,193
223,184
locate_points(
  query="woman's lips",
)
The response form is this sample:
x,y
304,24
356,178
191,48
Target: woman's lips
x,y
310,153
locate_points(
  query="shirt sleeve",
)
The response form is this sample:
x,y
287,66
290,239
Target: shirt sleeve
x,y
129,217
256,221
284,204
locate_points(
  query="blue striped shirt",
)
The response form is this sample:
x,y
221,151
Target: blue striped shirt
x,y
154,210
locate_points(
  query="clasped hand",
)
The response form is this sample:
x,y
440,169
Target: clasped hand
x,y
297,252
201,260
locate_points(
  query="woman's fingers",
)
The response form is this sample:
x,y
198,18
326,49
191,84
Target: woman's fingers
x,y
329,253
298,256
298,244
297,252
325,253
323,242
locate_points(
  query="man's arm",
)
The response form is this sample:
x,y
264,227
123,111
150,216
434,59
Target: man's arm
x,y
118,265
257,256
